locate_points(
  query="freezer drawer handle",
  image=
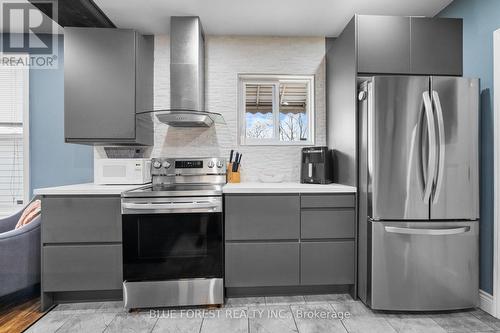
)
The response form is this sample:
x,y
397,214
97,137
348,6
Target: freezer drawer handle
x,y
429,232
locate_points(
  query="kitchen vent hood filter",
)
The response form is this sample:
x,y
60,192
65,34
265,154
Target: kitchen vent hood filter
x,y
187,118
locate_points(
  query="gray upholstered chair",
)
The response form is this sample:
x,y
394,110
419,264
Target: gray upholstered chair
x,y
19,254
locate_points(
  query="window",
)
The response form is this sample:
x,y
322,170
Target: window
x,y
14,185
276,109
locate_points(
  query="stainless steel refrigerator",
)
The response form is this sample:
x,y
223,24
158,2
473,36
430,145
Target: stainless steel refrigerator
x,y
418,192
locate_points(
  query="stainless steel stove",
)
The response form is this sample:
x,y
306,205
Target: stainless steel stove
x,y
173,235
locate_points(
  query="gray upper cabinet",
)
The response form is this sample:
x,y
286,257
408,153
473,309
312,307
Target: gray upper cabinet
x,y
108,78
436,46
383,44
404,45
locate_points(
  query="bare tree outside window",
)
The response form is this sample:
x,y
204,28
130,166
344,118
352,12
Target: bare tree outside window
x,y
293,108
293,127
259,130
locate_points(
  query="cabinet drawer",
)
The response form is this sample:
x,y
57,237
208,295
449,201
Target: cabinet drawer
x,y
262,264
327,223
324,263
81,219
78,268
262,217
327,201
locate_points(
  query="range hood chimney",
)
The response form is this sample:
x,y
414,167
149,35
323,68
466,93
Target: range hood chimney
x,y
187,64
187,76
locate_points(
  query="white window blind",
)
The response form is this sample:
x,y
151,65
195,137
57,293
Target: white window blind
x,y
13,106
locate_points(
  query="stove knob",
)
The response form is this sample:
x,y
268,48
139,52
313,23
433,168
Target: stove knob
x,y
211,164
166,164
156,164
220,164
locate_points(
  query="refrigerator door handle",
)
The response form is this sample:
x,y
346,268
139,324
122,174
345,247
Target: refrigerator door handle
x,y
431,161
442,145
428,232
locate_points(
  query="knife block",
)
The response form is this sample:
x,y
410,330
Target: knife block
x,y
232,177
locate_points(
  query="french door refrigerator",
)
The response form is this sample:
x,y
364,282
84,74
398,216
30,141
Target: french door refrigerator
x,y
418,192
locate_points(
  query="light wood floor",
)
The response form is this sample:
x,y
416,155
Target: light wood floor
x,y
18,314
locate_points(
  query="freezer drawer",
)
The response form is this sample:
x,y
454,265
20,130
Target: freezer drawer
x,y
424,265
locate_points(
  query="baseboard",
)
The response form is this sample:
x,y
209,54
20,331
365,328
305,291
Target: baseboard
x,y
486,302
287,290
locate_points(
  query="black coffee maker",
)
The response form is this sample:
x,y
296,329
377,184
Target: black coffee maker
x,y
316,167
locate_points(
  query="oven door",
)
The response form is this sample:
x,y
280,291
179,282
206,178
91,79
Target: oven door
x,y
172,238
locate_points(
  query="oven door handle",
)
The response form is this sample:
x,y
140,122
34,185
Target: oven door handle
x,y
169,206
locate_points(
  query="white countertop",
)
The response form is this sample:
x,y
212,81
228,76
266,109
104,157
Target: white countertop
x,y
94,189
85,189
287,188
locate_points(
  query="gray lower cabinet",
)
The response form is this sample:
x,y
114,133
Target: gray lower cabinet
x,y
296,241
262,264
82,267
259,217
79,219
81,249
324,263
327,200
327,223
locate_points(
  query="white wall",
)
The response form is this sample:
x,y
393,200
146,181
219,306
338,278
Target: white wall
x,y
494,308
226,57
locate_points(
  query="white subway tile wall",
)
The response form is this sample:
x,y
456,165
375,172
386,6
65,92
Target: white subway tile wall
x,y
226,57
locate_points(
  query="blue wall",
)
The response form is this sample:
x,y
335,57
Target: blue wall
x,y
481,18
53,162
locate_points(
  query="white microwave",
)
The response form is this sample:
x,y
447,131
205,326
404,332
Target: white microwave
x,y
123,171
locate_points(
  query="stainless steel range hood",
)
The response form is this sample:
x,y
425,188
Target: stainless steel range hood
x,y
189,118
187,76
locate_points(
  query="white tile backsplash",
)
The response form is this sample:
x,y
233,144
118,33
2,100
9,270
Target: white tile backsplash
x,y
226,57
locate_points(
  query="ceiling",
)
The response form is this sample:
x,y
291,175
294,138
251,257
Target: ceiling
x,y
260,17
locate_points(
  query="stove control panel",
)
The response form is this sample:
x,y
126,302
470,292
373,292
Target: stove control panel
x,y
188,166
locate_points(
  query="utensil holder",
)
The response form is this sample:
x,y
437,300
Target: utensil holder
x,y
232,176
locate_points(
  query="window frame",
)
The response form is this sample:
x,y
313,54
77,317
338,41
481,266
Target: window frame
x,y
275,80
25,129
